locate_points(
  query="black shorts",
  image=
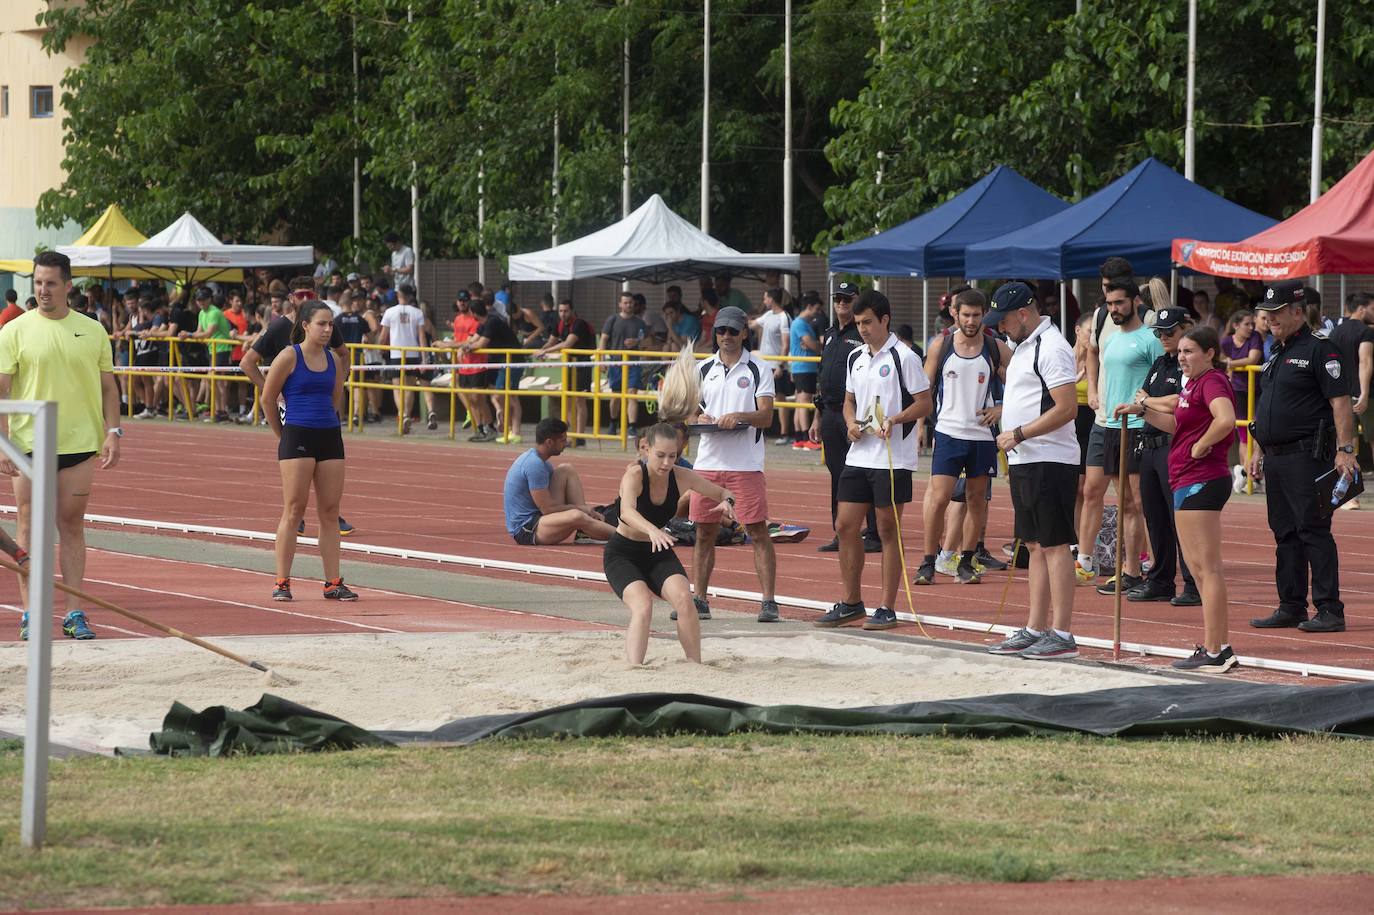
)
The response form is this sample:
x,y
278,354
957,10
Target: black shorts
x,y
580,378
1111,451
1203,497
305,442
391,374
782,385
149,359
1083,428
528,533
874,487
67,461
475,380
1042,495
805,382
194,355
627,561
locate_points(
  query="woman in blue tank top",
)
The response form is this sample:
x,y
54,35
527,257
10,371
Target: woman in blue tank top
x,y
309,444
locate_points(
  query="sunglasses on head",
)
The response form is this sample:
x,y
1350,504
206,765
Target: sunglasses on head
x,y
728,331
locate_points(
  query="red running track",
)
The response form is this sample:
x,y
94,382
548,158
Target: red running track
x,y
428,494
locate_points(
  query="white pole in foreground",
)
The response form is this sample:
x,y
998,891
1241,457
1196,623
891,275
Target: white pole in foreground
x,y
414,193
878,178
1316,189
33,828
787,134
357,162
481,220
706,119
1189,132
625,133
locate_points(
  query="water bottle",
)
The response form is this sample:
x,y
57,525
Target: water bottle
x,y
1342,486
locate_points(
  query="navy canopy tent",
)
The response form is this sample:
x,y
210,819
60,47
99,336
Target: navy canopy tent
x,y
933,243
1136,217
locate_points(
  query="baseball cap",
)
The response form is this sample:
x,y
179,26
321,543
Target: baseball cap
x,y
848,290
1279,295
203,293
1008,298
731,317
351,277
1169,318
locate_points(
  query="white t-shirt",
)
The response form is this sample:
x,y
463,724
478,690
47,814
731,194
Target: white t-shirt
x,y
735,389
405,323
402,257
1026,399
334,308
774,334
880,376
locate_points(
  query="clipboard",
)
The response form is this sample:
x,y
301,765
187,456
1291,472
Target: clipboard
x,y
698,428
1323,486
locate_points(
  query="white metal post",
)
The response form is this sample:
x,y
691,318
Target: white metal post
x,y
925,308
414,193
42,473
625,131
357,162
1189,133
787,131
1316,189
706,119
481,220
1064,307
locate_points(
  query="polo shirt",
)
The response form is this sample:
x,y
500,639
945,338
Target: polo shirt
x,y
881,376
733,389
59,360
1041,362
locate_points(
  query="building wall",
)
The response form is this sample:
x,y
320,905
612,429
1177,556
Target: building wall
x,y
30,148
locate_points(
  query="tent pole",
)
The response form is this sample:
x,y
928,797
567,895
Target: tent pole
x,y
829,288
706,119
1316,188
1340,306
925,308
1064,307
1173,286
1189,132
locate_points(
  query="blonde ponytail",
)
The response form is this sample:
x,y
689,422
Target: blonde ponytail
x,y
679,397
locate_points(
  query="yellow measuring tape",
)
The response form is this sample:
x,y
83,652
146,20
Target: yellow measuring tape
x,y
878,419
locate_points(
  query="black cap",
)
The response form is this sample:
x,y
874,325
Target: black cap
x,y
848,290
1279,295
203,293
1008,298
1169,318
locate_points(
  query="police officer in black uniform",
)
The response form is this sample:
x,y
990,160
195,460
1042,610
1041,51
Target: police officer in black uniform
x,y
1163,381
836,345
1304,425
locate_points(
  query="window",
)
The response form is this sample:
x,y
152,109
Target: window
x,y
40,101
4,101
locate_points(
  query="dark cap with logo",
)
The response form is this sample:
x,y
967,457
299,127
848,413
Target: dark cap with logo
x,y
1169,318
848,290
1280,295
731,317
1008,298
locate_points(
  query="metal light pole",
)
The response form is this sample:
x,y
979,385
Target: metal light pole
x,y
481,220
1189,130
882,52
625,131
1316,188
706,119
357,162
787,133
414,191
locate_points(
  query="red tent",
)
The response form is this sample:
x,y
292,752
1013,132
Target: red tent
x,y
1334,235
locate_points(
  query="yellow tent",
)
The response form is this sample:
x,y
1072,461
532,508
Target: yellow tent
x,y
112,228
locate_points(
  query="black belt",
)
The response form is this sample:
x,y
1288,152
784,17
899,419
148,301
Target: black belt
x,y
1303,444
1154,440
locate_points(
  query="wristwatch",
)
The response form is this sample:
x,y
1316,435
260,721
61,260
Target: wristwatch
x,y
1346,449
117,430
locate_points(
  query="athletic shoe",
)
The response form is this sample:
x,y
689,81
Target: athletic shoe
x,y
147,414
782,440
581,539
925,575
832,546
1201,660
948,565
300,528
75,626
405,426
840,614
813,446
24,627
631,431
1051,647
882,618
1237,478
432,422
1084,577
1324,621
984,561
1129,582
514,438
1187,598
1015,643
337,590
968,575
801,445
768,611
1150,591
1280,619
282,589
467,422
345,528
703,609
873,544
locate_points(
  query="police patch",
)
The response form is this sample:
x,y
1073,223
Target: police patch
x,y
1333,368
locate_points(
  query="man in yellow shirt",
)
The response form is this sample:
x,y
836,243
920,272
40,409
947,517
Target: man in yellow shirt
x,y
54,353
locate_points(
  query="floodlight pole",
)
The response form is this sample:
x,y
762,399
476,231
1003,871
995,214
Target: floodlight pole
x,y
706,119
878,178
553,240
787,135
1316,189
357,161
1189,130
414,189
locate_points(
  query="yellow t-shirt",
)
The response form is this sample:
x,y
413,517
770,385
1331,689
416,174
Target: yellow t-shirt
x,y
58,360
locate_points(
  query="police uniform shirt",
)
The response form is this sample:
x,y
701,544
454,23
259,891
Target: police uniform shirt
x,y
733,389
1165,379
1296,387
875,376
836,346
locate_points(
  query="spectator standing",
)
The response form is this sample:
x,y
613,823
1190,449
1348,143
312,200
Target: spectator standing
x,y
774,333
211,324
1354,338
729,297
572,332
495,332
12,309
710,304
325,266
623,331
353,328
401,269
803,340
402,328
471,371
1241,347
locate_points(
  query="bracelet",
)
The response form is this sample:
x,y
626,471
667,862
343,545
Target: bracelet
x,y
1019,435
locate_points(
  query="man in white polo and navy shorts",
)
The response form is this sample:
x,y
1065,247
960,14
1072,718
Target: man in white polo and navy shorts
x,y
877,470
1037,418
736,397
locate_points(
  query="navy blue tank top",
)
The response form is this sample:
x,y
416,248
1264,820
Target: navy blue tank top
x,y
310,395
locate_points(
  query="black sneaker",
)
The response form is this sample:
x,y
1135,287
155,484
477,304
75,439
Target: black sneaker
x,y
1150,591
1187,598
337,590
1129,582
703,609
833,546
967,574
925,575
1280,619
1324,621
1201,660
282,589
873,544
987,561
768,611
882,618
432,422
300,528
840,614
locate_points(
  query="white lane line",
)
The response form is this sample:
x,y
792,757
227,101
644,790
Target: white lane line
x,y
103,625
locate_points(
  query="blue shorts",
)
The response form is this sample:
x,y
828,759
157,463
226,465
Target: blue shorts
x,y
613,378
515,374
968,457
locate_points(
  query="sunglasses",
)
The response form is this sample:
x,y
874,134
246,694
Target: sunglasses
x,y
728,331
1161,334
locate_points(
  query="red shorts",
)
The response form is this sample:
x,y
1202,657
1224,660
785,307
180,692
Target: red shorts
x,y
751,496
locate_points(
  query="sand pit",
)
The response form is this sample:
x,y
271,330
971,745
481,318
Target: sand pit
x,y
113,692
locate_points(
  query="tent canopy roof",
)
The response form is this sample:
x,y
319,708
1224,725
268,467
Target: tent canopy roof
x,y
1137,217
653,244
1333,234
112,228
933,243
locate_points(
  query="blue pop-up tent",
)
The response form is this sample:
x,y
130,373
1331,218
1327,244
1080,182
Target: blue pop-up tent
x,y
933,243
1136,217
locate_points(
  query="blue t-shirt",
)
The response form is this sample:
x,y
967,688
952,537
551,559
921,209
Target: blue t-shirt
x,y
688,327
529,471
801,329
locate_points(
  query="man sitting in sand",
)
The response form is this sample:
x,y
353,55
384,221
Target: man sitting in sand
x,y
545,504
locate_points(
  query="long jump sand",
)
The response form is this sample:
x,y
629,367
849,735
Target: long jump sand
x,y
113,693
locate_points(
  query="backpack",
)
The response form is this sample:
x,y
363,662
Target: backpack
x,y
991,352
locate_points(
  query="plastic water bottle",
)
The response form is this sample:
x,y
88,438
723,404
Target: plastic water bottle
x,y
1342,486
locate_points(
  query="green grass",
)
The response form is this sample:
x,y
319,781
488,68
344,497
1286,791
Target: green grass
x,y
688,813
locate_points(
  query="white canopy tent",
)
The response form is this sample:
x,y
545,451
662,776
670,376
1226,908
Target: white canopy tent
x,y
188,252
652,244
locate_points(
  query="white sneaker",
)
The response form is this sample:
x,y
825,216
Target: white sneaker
x,y
1237,478
947,565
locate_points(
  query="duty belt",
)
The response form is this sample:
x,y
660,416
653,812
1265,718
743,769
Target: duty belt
x,y
1154,439
1303,444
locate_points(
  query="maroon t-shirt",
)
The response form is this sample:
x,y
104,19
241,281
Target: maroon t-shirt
x,y
1193,416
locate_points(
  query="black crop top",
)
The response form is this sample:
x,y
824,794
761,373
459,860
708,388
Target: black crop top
x,y
657,514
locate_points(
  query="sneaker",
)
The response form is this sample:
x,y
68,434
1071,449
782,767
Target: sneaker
x,y
24,627
882,618
1085,578
147,414
1051,647
947,566
840,614
1150,591
1324,621
968,575
1187,598
703,609
801,445
432,422
300,528
1201,660
1237,478
467,422
631,432
336,590
75,626
1015,643
345,528
812,446
873,544
1129,583
768,611
581,539
984,561
782,440
925,575
282,589
833,546
514,438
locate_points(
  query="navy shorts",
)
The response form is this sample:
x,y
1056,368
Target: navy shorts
x,y
500,381
963,457
613,378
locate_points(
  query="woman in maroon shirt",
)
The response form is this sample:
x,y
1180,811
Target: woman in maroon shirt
x,y
1204,425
